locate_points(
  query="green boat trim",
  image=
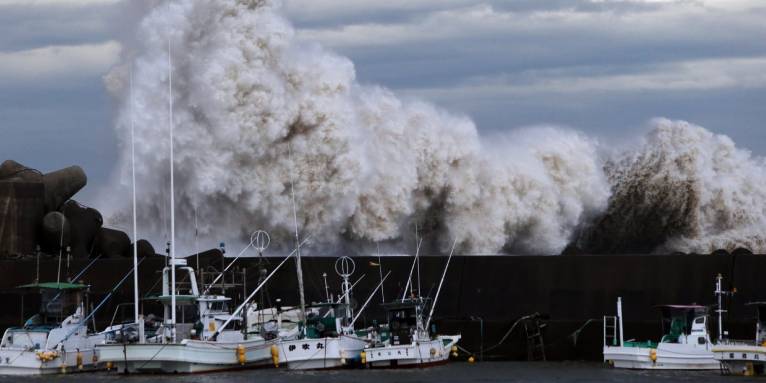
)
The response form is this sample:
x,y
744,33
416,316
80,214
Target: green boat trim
x,y
641,344
54,286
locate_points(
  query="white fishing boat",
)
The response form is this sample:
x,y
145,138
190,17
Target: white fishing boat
x,y
686,344
50,343
210,338
406,340
748,358
328,339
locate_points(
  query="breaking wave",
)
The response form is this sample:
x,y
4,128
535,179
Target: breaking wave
x,y
256,110
684,189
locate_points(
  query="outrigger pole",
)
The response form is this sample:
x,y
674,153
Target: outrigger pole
x,y
351,325
249,297
436,298
340,298
84,322
252,239
412,269
76,277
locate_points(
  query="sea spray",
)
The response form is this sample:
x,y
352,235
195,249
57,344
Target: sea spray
x,y
683,189
255,108
367,165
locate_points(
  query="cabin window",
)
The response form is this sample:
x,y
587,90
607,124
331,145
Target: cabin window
x,y
699,320
701,340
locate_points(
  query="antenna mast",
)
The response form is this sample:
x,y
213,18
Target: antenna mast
x,y
133,176
172,201
298,266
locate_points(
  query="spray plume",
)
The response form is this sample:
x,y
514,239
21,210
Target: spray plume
x,y
368,166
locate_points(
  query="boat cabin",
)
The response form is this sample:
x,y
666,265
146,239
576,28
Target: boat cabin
x,y
328,320
685,324
61,310
197,316
405,320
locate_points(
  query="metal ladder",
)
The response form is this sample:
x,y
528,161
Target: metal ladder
x,y
535,344
725,369
610,330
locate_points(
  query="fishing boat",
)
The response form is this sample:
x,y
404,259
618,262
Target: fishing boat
x,y
686,344
328,342
206,337
748,358
407,340
328,339
49,342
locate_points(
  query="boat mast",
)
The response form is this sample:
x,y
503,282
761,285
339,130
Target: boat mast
x,y
619,318
380,271
441,282
409,286
719,293
299,268
172,202
133,176
417,259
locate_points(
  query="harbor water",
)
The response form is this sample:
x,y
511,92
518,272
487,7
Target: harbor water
x,y
561,372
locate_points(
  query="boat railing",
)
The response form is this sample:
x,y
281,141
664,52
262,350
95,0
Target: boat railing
x,y
738,342
610,331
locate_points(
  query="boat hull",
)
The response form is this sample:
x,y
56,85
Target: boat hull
x,y
741,359
27,363
419,354
185,358
669,356
321,353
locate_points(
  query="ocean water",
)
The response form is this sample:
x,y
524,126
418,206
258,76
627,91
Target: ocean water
x,y
562,372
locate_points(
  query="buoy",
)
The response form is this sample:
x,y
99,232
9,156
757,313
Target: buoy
x,y
241,357
363,357
95,358
471,359
109,366
433,351
653,355
63,368
79,360
275,355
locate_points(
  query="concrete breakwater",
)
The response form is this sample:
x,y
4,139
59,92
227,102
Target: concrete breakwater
x,y
482,296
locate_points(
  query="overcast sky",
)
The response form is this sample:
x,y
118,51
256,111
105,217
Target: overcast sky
x,y
603,67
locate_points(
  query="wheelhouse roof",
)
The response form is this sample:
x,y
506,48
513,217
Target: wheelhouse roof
x,y
404,304
54,286
168,298
326,304
760,303
682,307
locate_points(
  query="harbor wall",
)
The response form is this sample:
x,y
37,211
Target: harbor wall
x,y
481,294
